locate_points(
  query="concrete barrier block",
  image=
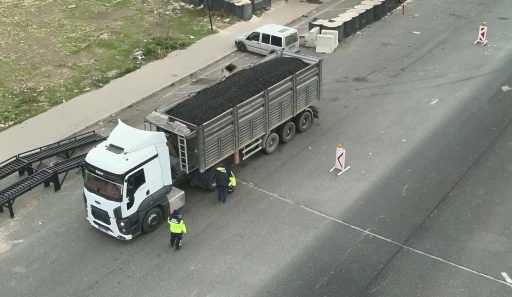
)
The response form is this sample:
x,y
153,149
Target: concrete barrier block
x,y
324,44
368,12
334,34
385,10
317,23
354,20
312,35
347,24
379,10
363,17
336,24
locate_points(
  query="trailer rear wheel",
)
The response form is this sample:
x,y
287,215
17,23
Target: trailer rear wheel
x,y
286,131
271,143
152,220
303,121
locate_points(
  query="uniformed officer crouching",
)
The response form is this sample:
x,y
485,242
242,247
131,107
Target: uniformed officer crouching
x,y
177,227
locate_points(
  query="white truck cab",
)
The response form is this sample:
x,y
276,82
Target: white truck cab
x,y
128,184
268,39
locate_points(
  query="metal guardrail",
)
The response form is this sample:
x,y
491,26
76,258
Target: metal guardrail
x,y
23,162
45,176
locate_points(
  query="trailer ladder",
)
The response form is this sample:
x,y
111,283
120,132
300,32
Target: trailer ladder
x,y
182,148
64,148
45,176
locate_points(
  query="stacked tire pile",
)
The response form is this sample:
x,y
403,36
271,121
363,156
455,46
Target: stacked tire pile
x,y
242,9
212,101
357,18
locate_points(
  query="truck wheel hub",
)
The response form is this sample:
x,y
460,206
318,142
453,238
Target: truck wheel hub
x,y
153,219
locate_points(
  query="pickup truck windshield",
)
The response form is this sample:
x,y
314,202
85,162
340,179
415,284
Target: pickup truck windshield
x,y
103,187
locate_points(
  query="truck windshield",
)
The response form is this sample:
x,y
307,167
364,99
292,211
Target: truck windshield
x,y
103,187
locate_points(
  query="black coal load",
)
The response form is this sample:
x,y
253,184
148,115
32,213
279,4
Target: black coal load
x,y
235,89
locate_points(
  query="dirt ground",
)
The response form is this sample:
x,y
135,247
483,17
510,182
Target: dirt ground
x,y
54,50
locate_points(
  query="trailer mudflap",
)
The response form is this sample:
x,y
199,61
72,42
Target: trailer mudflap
x,y
315,111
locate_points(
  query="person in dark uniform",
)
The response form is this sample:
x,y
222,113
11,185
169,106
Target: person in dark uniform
x,y
177,227
222,184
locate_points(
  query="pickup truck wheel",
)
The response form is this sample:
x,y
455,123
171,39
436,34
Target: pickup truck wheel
x,y
241,47
152,220
271,143
303,121
286,132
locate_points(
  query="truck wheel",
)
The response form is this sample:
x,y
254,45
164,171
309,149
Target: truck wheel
x,y
271,143
211,183
152,220
303,121
286,132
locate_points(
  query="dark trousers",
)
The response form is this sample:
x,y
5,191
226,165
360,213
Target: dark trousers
x,y
222,193
176,239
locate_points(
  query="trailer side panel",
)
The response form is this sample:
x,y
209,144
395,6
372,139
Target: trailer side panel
x,y
251,119
219,137
308,86
281,102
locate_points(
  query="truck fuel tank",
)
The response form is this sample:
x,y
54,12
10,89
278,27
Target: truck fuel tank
x,y
176,199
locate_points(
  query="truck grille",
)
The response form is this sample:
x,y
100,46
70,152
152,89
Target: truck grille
x,y
100,215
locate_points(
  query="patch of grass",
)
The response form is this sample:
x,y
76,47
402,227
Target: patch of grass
x,y
53,51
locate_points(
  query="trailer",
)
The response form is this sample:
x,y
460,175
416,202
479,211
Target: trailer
x,y
129,179
259,123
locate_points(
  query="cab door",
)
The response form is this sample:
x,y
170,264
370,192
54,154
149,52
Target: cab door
x,y
265,44
136,191
253,42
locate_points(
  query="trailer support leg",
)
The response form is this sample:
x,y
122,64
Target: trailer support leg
x,y
56,182
11,211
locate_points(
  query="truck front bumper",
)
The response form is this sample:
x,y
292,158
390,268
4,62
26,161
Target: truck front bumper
x,y
110,230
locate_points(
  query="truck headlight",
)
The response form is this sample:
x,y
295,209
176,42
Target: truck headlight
x,y
123,225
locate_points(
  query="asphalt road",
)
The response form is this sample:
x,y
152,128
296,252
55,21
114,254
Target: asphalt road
x,y
422,212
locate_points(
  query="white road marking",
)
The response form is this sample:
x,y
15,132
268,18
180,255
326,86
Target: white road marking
x,y
505,88
289,201
507,278
434,101
16,241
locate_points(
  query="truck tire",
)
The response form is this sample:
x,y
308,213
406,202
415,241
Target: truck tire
x,y
152,220
286,131
211,182
303,121
271,143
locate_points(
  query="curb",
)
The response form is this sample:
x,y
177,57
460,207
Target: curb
x,y
182,79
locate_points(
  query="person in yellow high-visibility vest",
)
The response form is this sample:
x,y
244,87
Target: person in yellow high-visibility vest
x,y
232,181
177,227
231,178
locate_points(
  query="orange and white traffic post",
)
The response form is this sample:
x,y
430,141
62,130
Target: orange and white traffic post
x,y
482,34
340,160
